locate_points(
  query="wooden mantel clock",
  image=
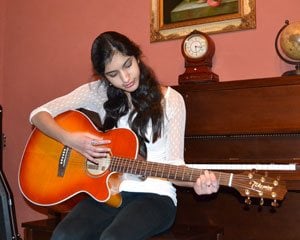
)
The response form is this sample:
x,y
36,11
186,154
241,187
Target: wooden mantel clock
x,y
198,50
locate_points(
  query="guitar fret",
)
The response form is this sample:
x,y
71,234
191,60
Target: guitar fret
x,y
175,174
141,169
112,165
145,168
182,178
157,171
163,170
136,167
191,175
164,174
168,175
151,170
219,178
155,174
126,167
119,167
146,173
115,166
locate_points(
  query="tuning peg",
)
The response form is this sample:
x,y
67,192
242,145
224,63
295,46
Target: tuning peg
x,y
275,183
248,200
274,195
261,202
274,203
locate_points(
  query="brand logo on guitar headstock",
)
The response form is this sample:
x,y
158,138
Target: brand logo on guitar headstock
x,y
260,186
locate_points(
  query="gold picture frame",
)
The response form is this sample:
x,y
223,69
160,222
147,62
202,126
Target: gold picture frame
x,y
173,19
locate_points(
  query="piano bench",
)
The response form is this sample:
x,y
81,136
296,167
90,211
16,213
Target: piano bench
x,y
42,230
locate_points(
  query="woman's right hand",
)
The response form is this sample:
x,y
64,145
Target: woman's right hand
x,y
89,145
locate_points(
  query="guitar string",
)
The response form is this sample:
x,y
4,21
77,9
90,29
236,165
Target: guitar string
x,y
236,178
126,165
236,182
156,169
122,164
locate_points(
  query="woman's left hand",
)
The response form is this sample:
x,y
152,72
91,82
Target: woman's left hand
x,y
206,184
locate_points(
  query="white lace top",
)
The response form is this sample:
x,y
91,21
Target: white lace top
x,y
167,149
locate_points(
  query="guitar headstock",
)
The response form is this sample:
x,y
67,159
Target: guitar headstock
x,y
251,184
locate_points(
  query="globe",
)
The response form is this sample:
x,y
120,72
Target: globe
x,y
290,40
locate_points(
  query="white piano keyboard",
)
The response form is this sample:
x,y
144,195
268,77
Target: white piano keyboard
x,y
265,167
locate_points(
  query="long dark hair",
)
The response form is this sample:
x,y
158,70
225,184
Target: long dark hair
x,y
147,99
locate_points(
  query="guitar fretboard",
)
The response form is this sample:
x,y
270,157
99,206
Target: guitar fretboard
x,y
161,170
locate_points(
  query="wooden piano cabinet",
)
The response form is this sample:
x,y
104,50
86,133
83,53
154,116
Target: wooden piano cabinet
x,y
253,121
249,222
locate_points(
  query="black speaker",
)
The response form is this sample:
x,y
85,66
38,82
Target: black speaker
x,y
5,218
8,229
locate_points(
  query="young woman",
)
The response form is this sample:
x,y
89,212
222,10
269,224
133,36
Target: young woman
x,y
127,95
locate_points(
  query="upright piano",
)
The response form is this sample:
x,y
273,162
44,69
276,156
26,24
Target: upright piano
x,y
253,123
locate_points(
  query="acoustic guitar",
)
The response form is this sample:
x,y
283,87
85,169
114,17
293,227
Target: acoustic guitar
x,y
51,173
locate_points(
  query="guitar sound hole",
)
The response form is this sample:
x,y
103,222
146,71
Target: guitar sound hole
x,y
98,167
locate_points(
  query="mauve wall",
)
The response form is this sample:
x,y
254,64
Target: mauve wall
x,y
45,46
2,23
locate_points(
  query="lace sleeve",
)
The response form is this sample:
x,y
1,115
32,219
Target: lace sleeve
x,y
175,127
90,96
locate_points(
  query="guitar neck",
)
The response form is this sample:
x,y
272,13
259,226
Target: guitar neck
x,y
166,171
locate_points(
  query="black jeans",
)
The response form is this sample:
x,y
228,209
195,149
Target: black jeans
x,y
140,216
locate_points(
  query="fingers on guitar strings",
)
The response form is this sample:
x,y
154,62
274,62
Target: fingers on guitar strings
x,y
94,142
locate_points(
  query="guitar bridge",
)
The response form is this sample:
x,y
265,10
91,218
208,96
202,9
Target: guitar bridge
x,y
63,161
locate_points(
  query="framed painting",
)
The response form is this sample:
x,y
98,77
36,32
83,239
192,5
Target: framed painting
x,y
172,19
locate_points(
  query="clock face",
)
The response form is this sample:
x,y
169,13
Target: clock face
x,y
195,46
